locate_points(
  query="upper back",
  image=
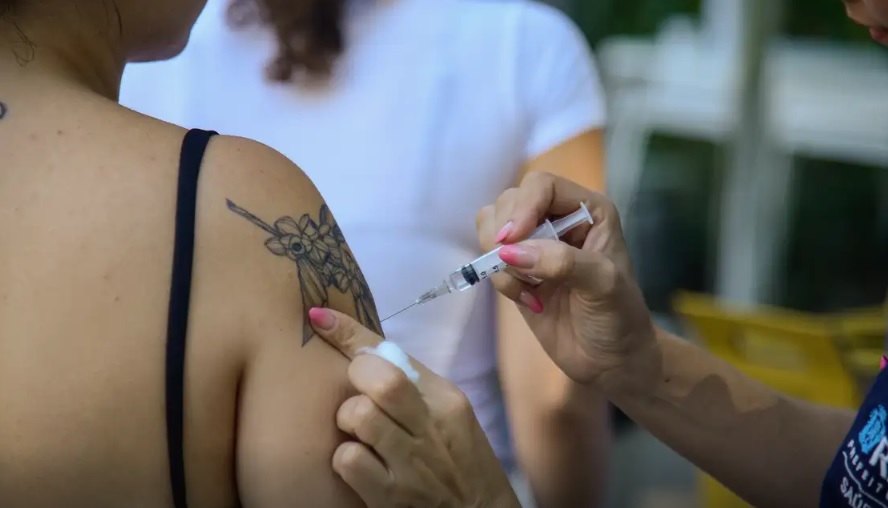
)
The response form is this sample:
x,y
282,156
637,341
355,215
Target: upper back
x,y
88,217
84,272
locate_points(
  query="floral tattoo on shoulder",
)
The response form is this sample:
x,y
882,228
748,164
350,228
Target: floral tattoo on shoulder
x,y
323,262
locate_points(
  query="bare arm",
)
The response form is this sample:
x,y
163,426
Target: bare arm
x,y
561,429
291,256
770,449
548,411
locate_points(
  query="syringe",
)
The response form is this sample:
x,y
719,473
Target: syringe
x,y
489,264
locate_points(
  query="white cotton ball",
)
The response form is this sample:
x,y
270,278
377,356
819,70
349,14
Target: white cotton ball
x,y
393,354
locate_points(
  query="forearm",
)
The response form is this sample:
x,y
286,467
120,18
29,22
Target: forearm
x,y
565,455
770,449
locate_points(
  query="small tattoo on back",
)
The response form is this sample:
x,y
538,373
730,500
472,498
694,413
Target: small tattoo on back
x,y
3,110
323,262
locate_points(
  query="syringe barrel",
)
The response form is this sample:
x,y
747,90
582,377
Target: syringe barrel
x,y
462,279
489,264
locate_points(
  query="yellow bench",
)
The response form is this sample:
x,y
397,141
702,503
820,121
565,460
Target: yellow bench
x,y
824,358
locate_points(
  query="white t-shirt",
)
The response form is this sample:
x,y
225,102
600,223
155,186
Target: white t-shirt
x,y
434,108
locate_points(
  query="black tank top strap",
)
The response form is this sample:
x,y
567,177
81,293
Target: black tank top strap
x,y
193,148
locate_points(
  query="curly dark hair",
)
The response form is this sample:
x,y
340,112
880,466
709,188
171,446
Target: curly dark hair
x,y
309,34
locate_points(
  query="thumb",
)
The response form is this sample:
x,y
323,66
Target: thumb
x,y
342,332
555,261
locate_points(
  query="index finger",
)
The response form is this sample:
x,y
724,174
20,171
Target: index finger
x,y
343,332
542,195
352,339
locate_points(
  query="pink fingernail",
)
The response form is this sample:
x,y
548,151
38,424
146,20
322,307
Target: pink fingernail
x,y
883,363
518,256
533,303
503,233
322,318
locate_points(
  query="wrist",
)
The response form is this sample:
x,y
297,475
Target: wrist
x,y
639,372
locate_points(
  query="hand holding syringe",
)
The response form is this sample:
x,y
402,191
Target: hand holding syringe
x,y
489,264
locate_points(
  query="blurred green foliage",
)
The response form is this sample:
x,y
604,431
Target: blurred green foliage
x,y
602,18
806,18
821,18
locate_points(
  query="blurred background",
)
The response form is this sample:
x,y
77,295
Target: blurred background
x,y
747,150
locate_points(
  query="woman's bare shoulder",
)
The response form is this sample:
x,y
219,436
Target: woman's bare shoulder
x,y
274,250
267,250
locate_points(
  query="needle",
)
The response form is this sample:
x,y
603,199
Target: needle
x,y
428,296
400,311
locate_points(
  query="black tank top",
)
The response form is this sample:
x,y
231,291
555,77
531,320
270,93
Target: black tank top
x,y
193,148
